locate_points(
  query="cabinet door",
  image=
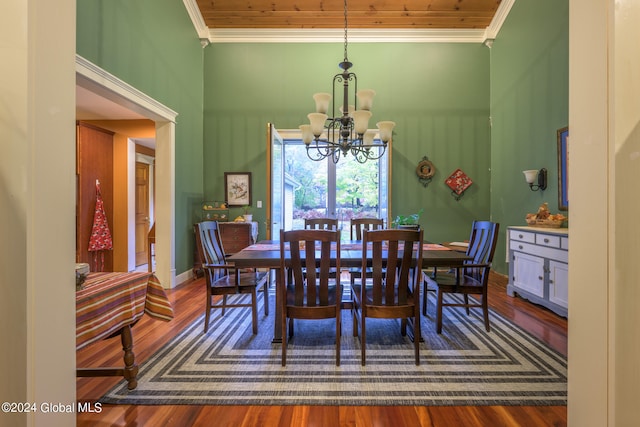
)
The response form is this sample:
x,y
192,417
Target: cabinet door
x,y
528,273
559,283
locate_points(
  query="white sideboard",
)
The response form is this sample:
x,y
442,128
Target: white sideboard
x,y
538,266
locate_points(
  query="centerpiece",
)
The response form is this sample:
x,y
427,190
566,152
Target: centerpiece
x,y
543,218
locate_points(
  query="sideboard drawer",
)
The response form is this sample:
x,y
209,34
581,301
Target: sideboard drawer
x,y
522,236
548,240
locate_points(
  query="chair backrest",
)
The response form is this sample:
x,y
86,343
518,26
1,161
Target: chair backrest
x,y
321,224
359,224
210,248
308,248
482,245
396,260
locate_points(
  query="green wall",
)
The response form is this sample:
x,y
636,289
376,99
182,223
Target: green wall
x,y
490,112
152,45
529,103
438,94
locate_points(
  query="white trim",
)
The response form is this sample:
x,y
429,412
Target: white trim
x,y
101,82
498,19
185,276
196,18
94,78
336,35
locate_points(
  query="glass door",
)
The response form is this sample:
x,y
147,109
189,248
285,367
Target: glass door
x,y
313,189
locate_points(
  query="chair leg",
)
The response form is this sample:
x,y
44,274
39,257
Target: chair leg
x,y
466,302
354,317
363,339
338,333
284,338
439,313
424,298
207,313
224,304
254,310
416,335
265,290
485,312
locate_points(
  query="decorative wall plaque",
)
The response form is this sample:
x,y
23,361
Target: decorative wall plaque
x,y
458,181
425,171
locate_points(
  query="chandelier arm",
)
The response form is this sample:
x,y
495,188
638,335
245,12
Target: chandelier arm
x,y
366,153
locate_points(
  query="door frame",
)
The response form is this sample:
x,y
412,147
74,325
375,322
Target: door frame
x,y
101,82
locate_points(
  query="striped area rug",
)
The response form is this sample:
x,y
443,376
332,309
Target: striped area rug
x,y
464,365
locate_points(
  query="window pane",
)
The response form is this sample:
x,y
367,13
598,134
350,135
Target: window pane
x,y
308,181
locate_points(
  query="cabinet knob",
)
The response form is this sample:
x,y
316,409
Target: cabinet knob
x,y
520,247
550,282
540,278
546,240
520,236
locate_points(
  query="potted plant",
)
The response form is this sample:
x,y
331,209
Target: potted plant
x,y
408,221
247,216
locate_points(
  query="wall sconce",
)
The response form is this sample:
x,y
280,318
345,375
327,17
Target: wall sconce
x,y
531,174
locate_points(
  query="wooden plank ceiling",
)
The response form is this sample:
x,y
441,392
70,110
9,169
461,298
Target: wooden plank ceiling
x,y
296,14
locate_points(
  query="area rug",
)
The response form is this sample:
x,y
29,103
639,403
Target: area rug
x,y
465,365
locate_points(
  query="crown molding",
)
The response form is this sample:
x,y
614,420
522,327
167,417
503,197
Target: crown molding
x,y
196,18
356,35
498,19
336,35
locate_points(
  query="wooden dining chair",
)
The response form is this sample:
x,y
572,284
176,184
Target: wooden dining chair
x,y
321,224
357,225
395,257
310,293
223,280
471,278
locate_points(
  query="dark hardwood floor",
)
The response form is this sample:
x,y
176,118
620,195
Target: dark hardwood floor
x,y
188,302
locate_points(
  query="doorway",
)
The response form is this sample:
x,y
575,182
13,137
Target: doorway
x,y
118,100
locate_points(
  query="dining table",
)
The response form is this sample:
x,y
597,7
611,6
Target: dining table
x,y
266,255
108,305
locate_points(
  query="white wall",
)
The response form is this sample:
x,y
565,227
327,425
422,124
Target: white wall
x,y
625,294
604,171
37,216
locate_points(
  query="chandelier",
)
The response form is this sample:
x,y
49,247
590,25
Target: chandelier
x,y
340,135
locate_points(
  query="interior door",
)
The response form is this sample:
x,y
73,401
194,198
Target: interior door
x,y
275,183
142,212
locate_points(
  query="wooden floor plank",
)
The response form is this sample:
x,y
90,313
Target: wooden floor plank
x,y
188,301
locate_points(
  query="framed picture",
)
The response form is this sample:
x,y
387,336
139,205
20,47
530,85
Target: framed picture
x,y
563,169
237,188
